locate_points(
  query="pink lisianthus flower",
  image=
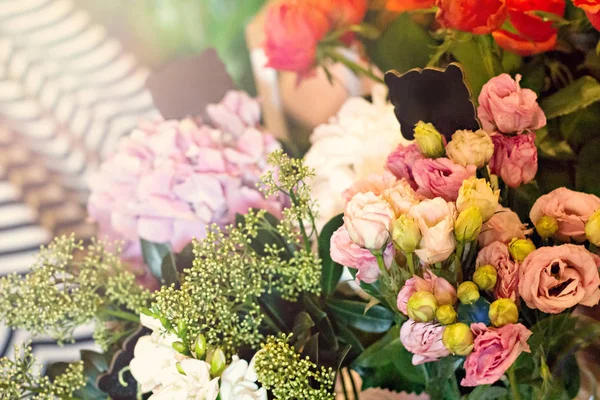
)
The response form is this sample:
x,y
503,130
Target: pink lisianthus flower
x,y
374,183
401,162
440,177
368,219
169,180
497,255
515,158
504,226
424,340
435,219
553,279
505,107
569,208
494,351
443,291
347,253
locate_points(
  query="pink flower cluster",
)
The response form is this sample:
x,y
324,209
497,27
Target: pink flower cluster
x,y
169,180
510,115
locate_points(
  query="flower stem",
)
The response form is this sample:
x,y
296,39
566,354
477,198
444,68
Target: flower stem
x,y
354,67
410,260
514,388
124,315
379,256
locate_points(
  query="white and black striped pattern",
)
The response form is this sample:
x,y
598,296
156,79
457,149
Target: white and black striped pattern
x,y
68,92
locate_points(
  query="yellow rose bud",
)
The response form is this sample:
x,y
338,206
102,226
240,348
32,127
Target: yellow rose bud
x,y
520,248
468,292
429,140
200,346
468,225
485,277
217,362
592,228
446,314
478,193
458,338
406,234
421,306
546,227
503,312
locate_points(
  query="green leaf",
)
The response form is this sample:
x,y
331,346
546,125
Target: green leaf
x,y
169,269
552,147
322,320
153,254
404,45
582,126
377,354
487,392
479,61
377,319
578,95
345,335
301,330
587,170
331,271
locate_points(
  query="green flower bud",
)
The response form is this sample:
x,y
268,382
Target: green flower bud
x,y
468,292
429,140
503,312
217,362
520,248
179,347
547,226
200,346
485,277
592,228
180,368
406,234
458,338
468,225
421,306
446,314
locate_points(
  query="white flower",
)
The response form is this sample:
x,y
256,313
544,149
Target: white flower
x,y
150,359
193,384
238,382
353,145
152,355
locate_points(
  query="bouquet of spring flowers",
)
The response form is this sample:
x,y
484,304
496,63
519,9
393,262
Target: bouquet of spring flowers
x,y
224,285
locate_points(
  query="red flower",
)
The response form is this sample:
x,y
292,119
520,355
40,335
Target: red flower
x,y
401,6
592,10
476,16
534,35
293,30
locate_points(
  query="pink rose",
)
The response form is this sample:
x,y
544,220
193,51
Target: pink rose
x,y
401,162
515,158
443,291
293,29
374,183
424,340
497,255
505,107
368,219
570,209
553,279
502,227
347,253
236,112
494,351
441,177
435,219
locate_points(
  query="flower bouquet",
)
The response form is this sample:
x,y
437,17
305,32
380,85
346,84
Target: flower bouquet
x,y
216,276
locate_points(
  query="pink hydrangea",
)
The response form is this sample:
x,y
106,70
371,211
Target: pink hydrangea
x,y
169,180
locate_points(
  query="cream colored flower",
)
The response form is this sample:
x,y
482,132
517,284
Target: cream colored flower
x,y
470,148
478,193
435,218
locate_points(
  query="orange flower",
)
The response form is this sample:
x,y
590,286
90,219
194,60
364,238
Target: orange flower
x,y
401,6
592,10
476,16
343,12
534,35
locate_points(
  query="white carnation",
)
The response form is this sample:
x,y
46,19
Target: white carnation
x,y
354,144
